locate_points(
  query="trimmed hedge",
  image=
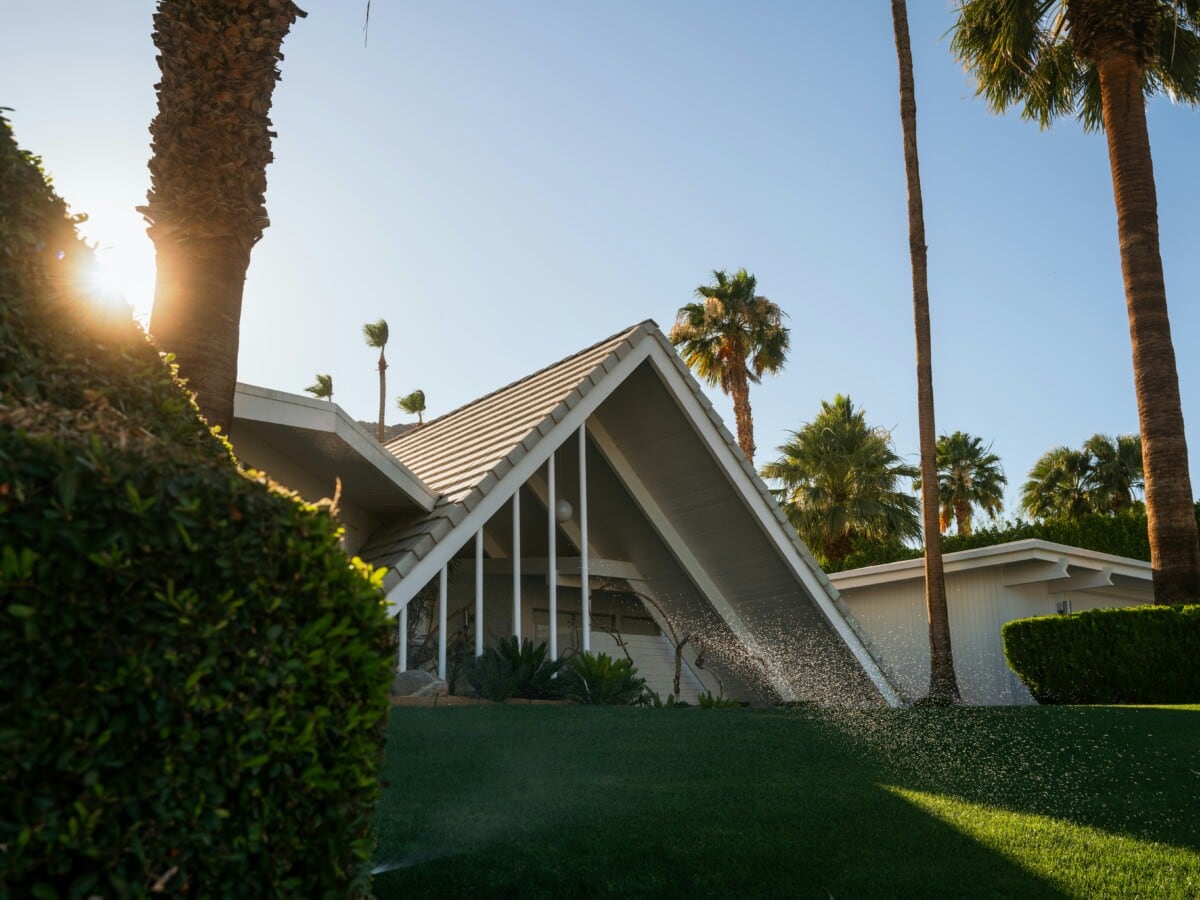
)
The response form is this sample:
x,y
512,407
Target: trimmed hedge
x,y
193,677
1143,654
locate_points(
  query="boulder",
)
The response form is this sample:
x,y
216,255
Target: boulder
x,y
418,683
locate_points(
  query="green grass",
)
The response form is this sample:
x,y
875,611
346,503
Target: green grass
x,y
536,801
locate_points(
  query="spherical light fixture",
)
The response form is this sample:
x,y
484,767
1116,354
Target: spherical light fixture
x,y
562,511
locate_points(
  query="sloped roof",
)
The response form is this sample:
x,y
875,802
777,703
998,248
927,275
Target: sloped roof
x,y
453,453
463,454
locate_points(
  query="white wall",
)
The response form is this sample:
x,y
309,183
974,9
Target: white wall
x,y
979,604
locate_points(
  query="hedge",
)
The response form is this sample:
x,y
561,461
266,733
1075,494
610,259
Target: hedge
x,y
1143,654
193,676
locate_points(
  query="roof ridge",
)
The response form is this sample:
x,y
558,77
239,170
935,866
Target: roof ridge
x,y
624,332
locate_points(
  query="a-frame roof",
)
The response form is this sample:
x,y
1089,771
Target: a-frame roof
x,y
453,453
477,456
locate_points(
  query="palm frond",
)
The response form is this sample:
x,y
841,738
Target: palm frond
x,y
376,333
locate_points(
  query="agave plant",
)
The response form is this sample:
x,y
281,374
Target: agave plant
x,y
512,669
597,678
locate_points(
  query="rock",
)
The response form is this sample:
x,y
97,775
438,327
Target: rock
x,y
435,688
408,684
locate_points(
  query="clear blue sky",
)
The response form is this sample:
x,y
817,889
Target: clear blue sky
x,y
509,182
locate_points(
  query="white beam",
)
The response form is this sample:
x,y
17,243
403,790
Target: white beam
x,y
585,588
552,547
1084,581
516,561
442,623
479,592
1035,571
403,638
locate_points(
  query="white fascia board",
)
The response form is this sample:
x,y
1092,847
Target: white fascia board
x,y
1014,552
564,430
258,404
722,452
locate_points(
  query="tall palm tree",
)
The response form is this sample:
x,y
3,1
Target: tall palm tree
x,y
969,475
376,335
730,339
943,685
323,389
414,405
840,480
1059,485
210,143
1100,60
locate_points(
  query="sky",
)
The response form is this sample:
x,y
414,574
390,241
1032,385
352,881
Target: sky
x,y
509,182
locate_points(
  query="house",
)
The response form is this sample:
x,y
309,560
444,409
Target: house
x,y
603,489
985,588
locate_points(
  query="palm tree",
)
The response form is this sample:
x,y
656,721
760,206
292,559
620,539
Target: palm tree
x,y
730,339
840,481
376,335
414,405
1103,477
1117,474
211,143
1059,485
969,475
323,389
1100,60
943,685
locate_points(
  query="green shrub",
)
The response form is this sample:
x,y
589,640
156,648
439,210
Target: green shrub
x,y
193,677
708,701
597,678
512,669
1143,654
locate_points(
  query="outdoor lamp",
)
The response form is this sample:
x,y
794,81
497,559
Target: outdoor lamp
x,y
562,511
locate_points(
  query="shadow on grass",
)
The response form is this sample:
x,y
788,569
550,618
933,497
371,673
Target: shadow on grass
x,y
512,801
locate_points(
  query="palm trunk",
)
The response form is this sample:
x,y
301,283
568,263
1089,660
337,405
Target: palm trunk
x,y
381,431
211,143
1174,546
943,686
740,391
962,516
197,314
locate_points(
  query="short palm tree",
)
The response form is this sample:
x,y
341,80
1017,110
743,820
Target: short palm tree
x,y
414,405
323,389
840,480
376,335
1059,485
730,339
1103,477
969,476
1116,470
1099,60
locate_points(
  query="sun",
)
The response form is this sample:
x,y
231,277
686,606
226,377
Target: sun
x,y
123,276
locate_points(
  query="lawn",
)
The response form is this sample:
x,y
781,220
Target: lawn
x,y
544,801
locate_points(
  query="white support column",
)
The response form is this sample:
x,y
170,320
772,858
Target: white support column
x,y
552,567
479,592
403,638
516,564
585,591
442,623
